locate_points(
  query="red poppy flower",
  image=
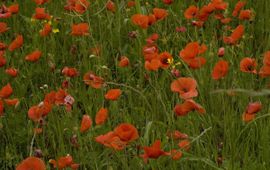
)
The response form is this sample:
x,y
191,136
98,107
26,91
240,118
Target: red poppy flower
x,y
63,98
191,12
70,72
165,58
111,6
264,71
111,140
190,54
3,27
168,2
12,102
126,132
36,112
140,20
251,111
175,154
152,65
184,144
185,86
6,91
47,29
176,135
245,14
14,9
50,97
124,62
104,139
79,6
150,52
17,43
235,36
4,12
266,58
205,11
239,5
220,70
131,4
3,61
153,151
86,123
160,13
152,39
188,106
64,162
81,29
41,14
151,19
12,72
116,143
34,56
113,94
219,4
40,2
94,81
196,63
101,116
32,163
248,65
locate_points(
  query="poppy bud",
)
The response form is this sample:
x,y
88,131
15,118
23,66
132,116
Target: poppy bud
x,y
38,153
221,51
175,72
132,34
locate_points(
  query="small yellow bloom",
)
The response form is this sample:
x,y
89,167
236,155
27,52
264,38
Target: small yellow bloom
x,y
170,61
56,30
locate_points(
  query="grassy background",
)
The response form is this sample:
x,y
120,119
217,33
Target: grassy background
x,y
245,146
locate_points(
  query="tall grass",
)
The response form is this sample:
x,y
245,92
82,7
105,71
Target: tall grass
x,y
146,103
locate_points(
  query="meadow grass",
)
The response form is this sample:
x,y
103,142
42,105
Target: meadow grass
x,y
146,103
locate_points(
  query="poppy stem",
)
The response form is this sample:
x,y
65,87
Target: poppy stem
x,y
138,6
198,137
32,144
